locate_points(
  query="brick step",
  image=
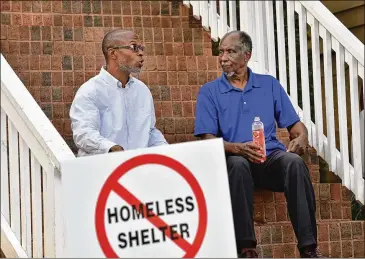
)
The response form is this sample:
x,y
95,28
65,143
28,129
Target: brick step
x,y
333,202
336,239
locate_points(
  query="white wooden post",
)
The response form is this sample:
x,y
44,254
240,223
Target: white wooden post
x,y
270,37
260,40
304,70
36,207
5,208
222,18
14,180
232,15
317,87
25,196
330,154
342,115
213,23
281,43
205,15
292,54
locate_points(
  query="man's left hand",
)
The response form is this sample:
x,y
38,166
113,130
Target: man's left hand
x,y
298,145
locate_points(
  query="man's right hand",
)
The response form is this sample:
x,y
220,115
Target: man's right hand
x,y
116,148
249,150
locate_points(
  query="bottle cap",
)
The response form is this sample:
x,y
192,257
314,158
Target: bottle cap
x,y
257,118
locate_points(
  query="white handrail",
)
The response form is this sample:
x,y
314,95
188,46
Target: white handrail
x,y
30,112
336,37
28,127
10,241
339,31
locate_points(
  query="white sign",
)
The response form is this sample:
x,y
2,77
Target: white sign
x,y
166,201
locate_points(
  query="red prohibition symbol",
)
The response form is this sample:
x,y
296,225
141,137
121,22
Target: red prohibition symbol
x,y
112,185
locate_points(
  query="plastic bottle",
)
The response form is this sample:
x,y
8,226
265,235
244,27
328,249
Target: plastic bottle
x,y
258,135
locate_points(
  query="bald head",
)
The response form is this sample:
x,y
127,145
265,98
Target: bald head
x,y
244,40
115,38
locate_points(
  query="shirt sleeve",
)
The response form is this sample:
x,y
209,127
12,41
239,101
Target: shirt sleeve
x,y
206,118
156,138
85,124
285,113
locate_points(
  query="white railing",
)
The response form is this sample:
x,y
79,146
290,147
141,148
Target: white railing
x,y
257,18
31,151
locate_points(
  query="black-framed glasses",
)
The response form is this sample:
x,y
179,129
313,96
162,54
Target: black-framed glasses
x,y
133,47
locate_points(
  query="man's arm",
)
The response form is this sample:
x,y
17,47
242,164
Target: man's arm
x,y
287,117
248,150
85,123
298,138
156,137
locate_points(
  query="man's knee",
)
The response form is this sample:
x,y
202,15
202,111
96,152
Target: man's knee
x,y
295,164
238,166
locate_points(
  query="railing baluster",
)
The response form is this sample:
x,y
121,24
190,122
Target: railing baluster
x,y
281,43
355,121
213,20
270,37
260,41
25,197
49,208
245,18
317,87
330,154
14,180
292,53
222,18
232,16
37,229
342,115
5,205
205,15
196,9
186,3
304,70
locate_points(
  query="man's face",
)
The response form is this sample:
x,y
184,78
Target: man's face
x,y
231,56
129,58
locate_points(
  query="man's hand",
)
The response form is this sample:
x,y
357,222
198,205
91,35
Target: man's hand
x,y
116,148
298,145
250,151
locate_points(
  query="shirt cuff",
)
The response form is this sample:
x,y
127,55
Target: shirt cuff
x,y
105,146
204,131
288,123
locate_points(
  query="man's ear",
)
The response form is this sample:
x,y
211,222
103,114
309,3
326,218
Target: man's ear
x,y
112,54
248,55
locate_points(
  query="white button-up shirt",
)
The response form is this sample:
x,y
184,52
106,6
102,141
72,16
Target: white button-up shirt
x,y
104,114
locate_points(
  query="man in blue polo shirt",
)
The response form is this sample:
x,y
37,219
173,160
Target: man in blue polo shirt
x,y
226,107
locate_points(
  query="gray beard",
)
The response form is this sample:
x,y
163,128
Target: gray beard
x,y
230,74
130,70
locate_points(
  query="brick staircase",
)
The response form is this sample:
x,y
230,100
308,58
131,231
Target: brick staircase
x,y
338,234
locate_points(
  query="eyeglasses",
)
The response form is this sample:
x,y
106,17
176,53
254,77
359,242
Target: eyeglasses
x,y
133,47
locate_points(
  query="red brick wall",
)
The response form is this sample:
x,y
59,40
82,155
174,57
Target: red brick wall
x,y
55,46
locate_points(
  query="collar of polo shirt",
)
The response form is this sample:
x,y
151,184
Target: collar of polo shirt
x,y
111,80
225,86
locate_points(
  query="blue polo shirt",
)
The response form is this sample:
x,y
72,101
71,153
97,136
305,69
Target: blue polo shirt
x,y
228,112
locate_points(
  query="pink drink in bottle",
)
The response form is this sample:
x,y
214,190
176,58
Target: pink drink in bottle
x,y
258,135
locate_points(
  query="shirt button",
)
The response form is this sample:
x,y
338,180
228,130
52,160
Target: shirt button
x,y
244,102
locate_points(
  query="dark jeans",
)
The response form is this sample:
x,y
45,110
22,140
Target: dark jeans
x,y
281,172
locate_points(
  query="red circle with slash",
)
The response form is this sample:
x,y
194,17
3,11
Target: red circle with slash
x,y
112,185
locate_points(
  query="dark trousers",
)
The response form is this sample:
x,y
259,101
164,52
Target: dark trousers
x,y
281,172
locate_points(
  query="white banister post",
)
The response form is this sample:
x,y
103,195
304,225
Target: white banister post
x,y
59,219
260,26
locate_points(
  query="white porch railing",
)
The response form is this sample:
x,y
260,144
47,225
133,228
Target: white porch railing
x,y
257,18
31,151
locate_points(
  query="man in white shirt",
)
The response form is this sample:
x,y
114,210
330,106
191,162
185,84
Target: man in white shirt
x,y
114,111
